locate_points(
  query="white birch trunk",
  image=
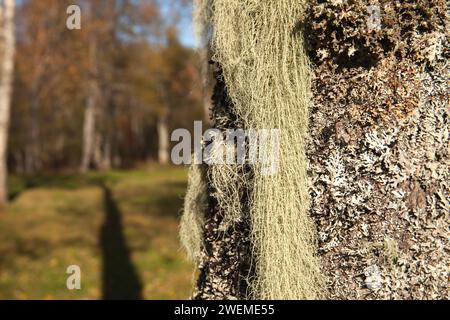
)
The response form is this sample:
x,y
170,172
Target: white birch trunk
x,y
6,78
163,140
89,133
90,113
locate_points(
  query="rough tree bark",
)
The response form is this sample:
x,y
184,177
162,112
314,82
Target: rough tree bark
x,y
7,48
378,150
378,155
225,259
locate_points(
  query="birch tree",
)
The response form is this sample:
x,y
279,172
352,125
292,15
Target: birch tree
x,y
7,48
375,153
91,110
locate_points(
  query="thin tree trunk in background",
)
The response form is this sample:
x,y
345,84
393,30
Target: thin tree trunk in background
x,y
163,140
33,162
90,113
88,132
97,156
106,163
107,134
6,79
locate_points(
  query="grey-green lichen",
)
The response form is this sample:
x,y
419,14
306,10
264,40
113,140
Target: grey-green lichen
x,y
379,148
377,153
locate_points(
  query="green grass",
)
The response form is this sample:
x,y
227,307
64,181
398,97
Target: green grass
x,y
120,227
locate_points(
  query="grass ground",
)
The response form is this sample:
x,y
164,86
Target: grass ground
x,y
121,228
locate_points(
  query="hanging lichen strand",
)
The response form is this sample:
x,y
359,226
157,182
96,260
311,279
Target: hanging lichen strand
x,y
267,75
195,206
377,149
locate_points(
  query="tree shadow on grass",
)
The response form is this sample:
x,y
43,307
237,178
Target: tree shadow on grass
x,y
167,201
120,279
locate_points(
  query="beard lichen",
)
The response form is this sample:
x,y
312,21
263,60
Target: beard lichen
x,y
267,74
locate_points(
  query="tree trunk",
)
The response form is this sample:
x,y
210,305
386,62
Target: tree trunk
x,y
102,152
33,146
377,157
163,140
89,131
106,163
225,257
378,149
91,111
6,78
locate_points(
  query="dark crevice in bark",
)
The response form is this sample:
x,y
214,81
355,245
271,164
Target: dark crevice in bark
x,y
225,263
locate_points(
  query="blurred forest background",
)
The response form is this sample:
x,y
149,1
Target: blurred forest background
x,y
89,178
100,97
